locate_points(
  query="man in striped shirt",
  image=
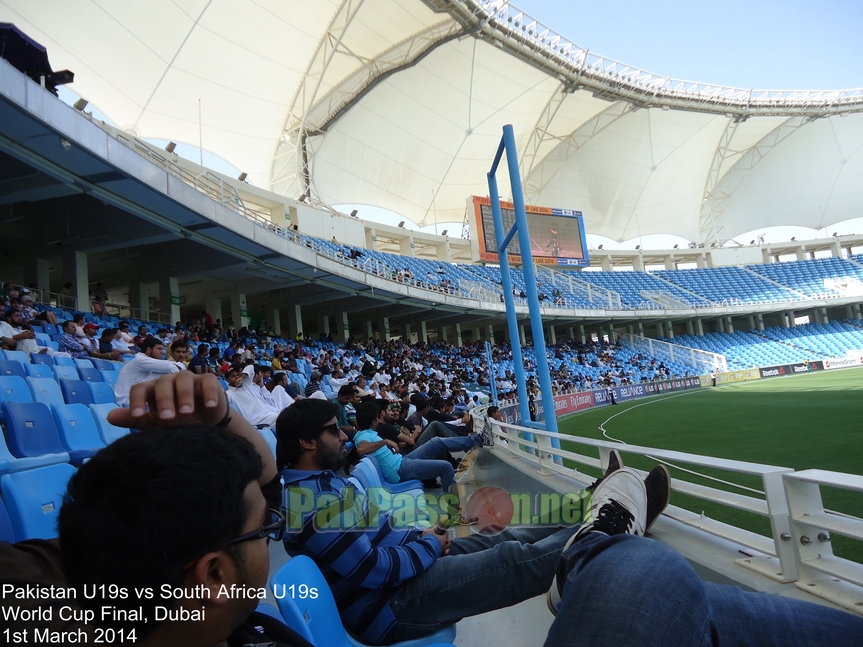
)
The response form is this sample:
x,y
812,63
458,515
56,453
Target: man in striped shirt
x,y
392,582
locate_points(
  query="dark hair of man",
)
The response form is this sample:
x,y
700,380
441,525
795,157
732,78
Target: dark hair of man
x,y
66,324
367,413
280,377
215,352
123,324
347,391
232,371
304,419
150,342
109,332
78,317
178,343
203,349
148,504
383,405
492,410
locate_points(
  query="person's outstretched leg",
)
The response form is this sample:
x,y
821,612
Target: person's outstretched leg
x,y
625,590
433,430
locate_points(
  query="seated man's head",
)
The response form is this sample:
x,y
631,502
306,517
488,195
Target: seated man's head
x,y
176,507
347,393
308,437
152,347
178,350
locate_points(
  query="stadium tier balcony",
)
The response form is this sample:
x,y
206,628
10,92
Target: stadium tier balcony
x,y
815,278
834,339
745,349
644,291
728,285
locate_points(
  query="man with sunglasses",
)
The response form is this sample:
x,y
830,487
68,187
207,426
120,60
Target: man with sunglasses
x,y
175,521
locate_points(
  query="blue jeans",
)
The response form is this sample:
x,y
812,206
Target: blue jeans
x,y
421,463
434,429
626,590
481,573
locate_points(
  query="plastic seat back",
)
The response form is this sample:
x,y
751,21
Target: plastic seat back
x,y
33,499
76,391
317,620
90,374
6,532
101,392
39,370
78,430
11,367
109,432
41,358
65,372
110,377
64,361
13,389
45,390
16,356
83,363
103,364
31,430
310,609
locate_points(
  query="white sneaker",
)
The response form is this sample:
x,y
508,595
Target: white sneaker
x,y
618,506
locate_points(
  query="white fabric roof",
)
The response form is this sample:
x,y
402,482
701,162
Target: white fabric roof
x,y
420,138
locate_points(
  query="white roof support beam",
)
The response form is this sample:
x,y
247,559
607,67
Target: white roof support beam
x,y
543,173
712,212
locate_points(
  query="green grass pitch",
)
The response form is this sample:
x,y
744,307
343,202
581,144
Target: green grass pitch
x,y
802,422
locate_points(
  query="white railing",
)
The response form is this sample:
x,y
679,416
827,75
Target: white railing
x,y
797,550
666,300
700,360
515,23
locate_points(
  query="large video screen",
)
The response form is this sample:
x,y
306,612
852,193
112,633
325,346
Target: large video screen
x,y
557,236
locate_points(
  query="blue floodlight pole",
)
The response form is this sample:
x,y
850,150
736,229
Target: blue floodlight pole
x,y
520,228
490,361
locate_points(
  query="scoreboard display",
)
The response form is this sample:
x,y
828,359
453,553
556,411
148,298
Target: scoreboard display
x,y
557,236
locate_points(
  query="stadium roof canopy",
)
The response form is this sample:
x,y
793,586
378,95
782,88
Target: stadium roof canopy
x,y
400,104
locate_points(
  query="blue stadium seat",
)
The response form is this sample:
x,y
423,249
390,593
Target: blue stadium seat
x,y
110,378
40,370
90,374
109,432
316,618
76,391
6,531
32,432
104,364
83,363
33,499
11,367
41,358
101,392
65,372
13,389
270,437
64,361
16,355
78,430
45,390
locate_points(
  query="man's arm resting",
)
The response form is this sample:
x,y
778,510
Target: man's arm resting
x,y
364,448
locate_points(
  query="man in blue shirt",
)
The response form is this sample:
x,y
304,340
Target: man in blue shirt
x,y
424,462
390,581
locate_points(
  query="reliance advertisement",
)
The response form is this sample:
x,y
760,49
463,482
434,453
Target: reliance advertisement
x,y
572,402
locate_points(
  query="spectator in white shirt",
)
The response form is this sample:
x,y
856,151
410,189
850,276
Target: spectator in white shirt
x,y
146,366
247,403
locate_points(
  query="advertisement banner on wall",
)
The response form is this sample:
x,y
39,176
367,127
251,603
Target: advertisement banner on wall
x,y
573,402
792,369
733,376
843,362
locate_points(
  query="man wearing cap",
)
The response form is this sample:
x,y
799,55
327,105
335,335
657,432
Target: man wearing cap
x,y
92,344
